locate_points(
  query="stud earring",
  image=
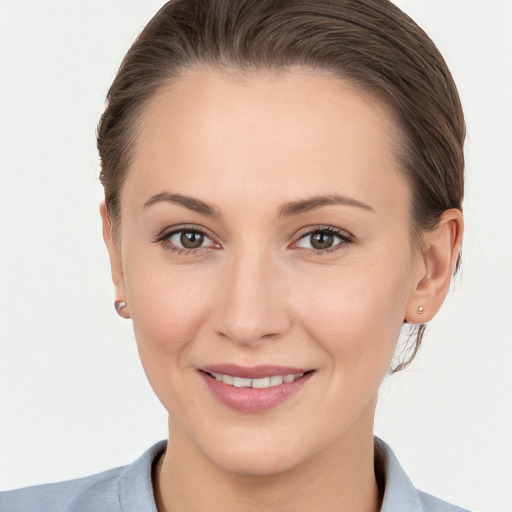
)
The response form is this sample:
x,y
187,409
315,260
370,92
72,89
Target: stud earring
x,y
120,305
421,310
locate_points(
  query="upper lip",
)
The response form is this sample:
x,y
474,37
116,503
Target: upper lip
x,y
252,372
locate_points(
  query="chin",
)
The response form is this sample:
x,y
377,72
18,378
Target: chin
x,y
251,462
257,453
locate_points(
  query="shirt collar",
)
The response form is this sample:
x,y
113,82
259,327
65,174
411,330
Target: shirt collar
x,y
136,487
400,495
135,483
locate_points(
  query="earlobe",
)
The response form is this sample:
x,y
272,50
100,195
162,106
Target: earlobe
x,y
438,260
116,262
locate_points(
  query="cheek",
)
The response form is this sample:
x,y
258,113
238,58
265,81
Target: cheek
x,y
169,305
356,312
165,311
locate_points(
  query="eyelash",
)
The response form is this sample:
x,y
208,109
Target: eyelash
x,y
342,235
163,239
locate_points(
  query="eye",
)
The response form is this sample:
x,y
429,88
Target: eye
x,y
186,239
323,240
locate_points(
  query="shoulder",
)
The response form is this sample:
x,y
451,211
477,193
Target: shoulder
x,y
128,488
98,491
433,504
400,495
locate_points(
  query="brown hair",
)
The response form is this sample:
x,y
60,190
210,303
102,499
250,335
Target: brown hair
x,y
370,43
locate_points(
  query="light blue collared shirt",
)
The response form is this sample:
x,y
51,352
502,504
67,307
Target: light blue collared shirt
x,y
130,489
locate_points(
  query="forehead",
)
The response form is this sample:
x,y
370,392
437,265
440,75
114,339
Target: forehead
x,y
297,131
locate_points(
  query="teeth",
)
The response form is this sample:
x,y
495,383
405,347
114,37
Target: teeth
x,y
227,379
276,380
240,382
262,383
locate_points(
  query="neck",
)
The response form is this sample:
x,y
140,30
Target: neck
x,y
340,479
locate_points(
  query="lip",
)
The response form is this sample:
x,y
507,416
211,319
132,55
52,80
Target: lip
x,y
253,400
252,372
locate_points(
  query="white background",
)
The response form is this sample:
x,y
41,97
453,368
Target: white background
x,y
73,397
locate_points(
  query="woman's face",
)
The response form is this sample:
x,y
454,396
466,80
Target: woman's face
x,y
265,242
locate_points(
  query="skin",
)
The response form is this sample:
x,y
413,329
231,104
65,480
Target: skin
x,y
258,291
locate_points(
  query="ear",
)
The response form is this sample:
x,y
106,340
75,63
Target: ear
x,y
116,261
435,268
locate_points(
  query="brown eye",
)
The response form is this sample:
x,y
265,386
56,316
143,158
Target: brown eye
x,y
191,239
188,239
321,240
324,239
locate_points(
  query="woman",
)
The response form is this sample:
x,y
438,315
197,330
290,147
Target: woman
x,y
283,192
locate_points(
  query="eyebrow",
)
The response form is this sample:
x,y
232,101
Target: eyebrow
x,y
287,210
298,207
191,203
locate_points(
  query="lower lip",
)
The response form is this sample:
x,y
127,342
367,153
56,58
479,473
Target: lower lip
x,y
253,400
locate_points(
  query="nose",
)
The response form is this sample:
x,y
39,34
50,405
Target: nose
x,y
253,302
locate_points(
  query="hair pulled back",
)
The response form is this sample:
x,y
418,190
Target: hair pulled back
x,y
370,43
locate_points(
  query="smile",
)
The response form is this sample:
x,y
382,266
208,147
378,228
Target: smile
x,y
261,383
254,389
